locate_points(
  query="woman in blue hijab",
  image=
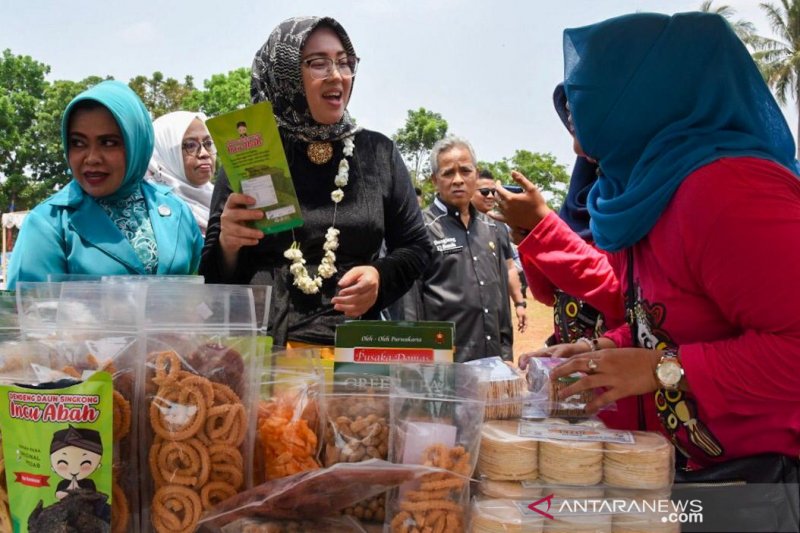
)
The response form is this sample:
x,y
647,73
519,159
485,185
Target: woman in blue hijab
x,y
107,220
699,198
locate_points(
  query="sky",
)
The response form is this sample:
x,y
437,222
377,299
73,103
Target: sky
x,y
487,66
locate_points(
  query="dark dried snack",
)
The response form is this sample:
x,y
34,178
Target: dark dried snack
x,y
81,511
219,363
312,493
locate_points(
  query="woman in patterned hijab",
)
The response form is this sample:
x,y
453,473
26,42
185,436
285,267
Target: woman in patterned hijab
x,y
107,220
354,192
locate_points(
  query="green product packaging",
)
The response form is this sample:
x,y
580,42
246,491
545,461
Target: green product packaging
x,y
250,149
370,346
57,444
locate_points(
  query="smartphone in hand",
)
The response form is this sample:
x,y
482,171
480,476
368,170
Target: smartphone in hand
x,y
513,188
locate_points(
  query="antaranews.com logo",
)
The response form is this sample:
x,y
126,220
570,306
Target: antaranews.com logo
x,y
658,510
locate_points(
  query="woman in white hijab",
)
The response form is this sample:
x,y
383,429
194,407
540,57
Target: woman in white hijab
x,y
184,160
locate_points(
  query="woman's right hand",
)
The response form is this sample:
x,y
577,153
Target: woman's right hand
x,y
557,350
234,229
521,211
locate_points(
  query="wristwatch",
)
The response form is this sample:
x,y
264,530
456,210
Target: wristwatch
x,y
669,371
523,304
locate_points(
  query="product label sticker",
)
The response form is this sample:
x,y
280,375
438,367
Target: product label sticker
x,y
58,452
571,432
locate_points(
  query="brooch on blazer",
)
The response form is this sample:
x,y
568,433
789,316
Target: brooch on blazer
x,y
164,210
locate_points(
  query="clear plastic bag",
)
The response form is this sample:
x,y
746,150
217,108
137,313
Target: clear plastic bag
x,y
506,388
99,329
436,415
356,430
200,388
315,493
289,424
339,524
542,400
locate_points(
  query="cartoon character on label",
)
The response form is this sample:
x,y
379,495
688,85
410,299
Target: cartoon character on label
x,y
75,454
678,413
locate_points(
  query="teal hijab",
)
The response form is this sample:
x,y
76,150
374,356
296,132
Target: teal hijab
x,y
654,97
134,122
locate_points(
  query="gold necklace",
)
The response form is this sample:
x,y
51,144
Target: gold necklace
x,y
320,152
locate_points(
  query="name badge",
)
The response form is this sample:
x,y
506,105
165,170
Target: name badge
x,y
448,246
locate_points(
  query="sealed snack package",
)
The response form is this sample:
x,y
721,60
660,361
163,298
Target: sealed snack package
x,y
506,388
315,493
339,524
59,435
500,515
436,416
200,387
99,329
543,401
289,423
357,429
37,307
587,454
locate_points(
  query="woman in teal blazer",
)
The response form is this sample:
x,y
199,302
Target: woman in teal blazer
x,y
108,220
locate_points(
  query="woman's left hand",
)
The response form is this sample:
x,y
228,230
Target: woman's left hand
x,y
358,291
622,372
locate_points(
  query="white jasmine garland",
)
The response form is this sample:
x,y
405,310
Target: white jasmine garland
x,y
327,267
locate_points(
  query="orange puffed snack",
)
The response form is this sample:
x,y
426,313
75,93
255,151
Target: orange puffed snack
x,y
289,445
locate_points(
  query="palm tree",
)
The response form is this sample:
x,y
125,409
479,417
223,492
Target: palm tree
x,y
744,29
779,59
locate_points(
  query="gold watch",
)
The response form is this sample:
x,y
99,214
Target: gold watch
x,y
669,371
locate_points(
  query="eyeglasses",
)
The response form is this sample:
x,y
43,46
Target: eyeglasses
x,y
486,191
192,147
321,68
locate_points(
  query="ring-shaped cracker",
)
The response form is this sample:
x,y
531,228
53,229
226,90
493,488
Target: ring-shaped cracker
x,y
120,511
121,417
185,463
175,509
178,412
214,492
226,424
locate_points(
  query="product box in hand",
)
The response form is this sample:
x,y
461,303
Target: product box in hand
x,y
380,343
250,149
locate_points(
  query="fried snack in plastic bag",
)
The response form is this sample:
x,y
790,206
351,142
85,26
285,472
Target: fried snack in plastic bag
x,y
288,423
319,493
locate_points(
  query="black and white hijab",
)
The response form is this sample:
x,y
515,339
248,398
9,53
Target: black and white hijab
x,y
276,77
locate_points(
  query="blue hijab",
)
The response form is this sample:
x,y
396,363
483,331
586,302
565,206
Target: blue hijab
x,y
654,97
584,175
134,123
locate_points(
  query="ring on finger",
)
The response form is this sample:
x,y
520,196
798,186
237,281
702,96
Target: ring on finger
x,y
592,365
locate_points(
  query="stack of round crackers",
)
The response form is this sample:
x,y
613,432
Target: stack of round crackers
x,y
504,398
504,455
645,464
503,516
510,490
580,523
571,463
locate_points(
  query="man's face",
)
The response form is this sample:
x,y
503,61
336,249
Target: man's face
x,y
483,199
455,181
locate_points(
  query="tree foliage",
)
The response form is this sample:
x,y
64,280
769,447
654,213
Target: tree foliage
x,y
541,168
779,58
161,95
22,91
416,138
223,93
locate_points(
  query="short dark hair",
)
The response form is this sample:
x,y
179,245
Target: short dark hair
x,y
486,174
241,123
